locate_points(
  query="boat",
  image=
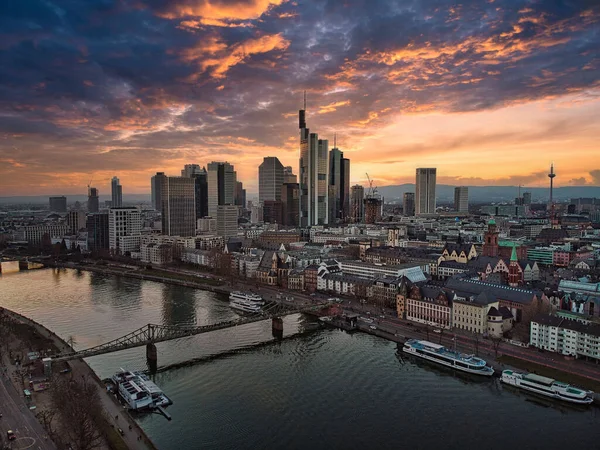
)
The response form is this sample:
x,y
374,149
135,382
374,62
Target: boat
x,y
449,358
247,297
547,387
138,391
252,303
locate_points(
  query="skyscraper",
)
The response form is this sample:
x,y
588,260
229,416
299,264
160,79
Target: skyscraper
x,y
201,192
124,229
178,206
116,193
357,204
97,228
461,199
408,203
221,179
425,191
290,202
76,221
314,203
270,179
240,194
58,204
527,198
339,186
191,169
288,175
93,201
155,184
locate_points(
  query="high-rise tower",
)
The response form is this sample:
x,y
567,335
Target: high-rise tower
x,y
313,175
425,191
116,191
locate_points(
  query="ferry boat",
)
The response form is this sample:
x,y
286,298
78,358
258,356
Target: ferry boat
x,y
547,387
247,297
136,389
441,355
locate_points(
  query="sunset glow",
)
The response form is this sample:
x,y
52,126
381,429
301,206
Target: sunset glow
x,y
488,92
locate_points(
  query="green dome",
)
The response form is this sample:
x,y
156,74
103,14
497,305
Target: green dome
x,y
492,221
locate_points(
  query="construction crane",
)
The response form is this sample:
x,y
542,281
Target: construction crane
x,y
372,192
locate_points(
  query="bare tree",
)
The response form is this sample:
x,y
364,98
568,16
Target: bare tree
x,y
71,341
77,403
476,344
441,333
496,341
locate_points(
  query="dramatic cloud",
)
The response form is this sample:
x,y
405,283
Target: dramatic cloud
x,y
488,92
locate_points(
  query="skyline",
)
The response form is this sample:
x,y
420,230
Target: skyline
x,y
489,94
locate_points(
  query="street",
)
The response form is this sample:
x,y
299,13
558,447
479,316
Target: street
x,y
17,417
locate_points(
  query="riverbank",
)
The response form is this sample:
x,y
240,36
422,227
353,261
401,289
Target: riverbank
x,y
521,359
133,436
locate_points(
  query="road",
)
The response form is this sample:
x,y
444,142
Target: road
x,y
16,416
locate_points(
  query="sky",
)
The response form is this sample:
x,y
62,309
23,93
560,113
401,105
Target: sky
x,y
489,92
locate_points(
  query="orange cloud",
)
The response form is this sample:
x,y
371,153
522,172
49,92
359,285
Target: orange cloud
x,y
214,55
332,107
219,11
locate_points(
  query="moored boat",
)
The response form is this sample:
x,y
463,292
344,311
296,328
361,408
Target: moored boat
x,y
446,357
138,391
246,297
547,387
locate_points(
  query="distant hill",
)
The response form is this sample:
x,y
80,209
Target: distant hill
x,y
43,199
445,192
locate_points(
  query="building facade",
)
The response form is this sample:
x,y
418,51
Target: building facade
x,y
124,229
357,203
408,204
461,199
155,185
227,220
425,191
97,226
313,176
116,191
58,204
270,179
339,186
178,206
93,203
222,179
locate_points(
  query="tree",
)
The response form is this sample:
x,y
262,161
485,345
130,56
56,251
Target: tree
x,y
476,343
496,341
441,333
77,403
71,341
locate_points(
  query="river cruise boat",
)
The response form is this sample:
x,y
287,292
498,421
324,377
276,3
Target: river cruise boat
x,y
246,306
547,387
441,355
247,297
138,391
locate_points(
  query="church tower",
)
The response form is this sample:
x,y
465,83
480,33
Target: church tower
x,y
514,275
490,240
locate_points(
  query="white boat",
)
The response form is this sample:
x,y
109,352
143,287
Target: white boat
x,y
547,387
246,306
136,389
247,297
441,355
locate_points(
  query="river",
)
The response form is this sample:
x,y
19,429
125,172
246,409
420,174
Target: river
x,y
318,389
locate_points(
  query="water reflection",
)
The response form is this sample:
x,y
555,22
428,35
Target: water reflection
x,y
178,305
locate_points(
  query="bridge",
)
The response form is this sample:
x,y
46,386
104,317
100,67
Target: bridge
x,y
149,335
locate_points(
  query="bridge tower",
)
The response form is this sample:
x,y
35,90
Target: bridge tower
x,y
277,327
152,357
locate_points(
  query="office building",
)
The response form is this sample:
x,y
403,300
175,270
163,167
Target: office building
x,y
97,228
124,229
289,176
178,206
357,204
272,211
425,191
189,170
58,204
408,203
201,192
116,193
227,220
76,221
527,198
339,186
221,178
240,195
461,199
290,203
270,179
155,183
314,203
93,200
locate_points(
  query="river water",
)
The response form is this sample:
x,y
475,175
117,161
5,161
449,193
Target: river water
x,y
324,388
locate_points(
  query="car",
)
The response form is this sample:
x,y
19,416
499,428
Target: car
x,y
10,435
373,327
437,330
